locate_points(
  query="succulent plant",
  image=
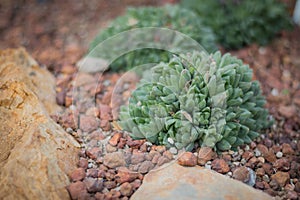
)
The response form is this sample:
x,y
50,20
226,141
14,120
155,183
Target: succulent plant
x,y
208,100
238,23
169,16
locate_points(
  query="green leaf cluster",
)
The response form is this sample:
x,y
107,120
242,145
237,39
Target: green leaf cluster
x,y
208,100
238,23
169,16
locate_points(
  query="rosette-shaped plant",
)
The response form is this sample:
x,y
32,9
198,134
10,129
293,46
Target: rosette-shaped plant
x,y
170,16
208,100
238,23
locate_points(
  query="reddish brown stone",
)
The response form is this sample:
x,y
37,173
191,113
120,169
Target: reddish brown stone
x,y
92,173
115,159
241,174
220,166
126,189
135,144
122,143
282,164
160,149
77,190
156,158
187,159
83,163
93,184
113,194
162,160
270,156
292,195
94,152
105,125
287,149
145,167
115,138
88,123
247,155
281,178
78,174
263,149
260,172
168,155
136,184
205,154
137,157
287,111
105,112
259,185
268,168
125,175
99,196
110,184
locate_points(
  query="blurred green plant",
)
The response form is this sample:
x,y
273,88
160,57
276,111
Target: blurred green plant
x,y
202,99
170,16
238,23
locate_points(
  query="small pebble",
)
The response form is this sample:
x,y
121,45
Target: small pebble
x,y
170,140
257,153
69,130
247,148
207,166
279,154
173,150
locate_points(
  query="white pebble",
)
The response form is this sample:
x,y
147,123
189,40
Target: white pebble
x,y
229,174
170,140
247,148
279,154
275,92
173,150
257,153
69,130
207,166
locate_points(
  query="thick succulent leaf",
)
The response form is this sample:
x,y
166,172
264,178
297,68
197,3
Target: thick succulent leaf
x,y
212,104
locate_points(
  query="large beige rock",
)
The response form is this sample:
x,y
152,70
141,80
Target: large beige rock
x,y
36,154
173,181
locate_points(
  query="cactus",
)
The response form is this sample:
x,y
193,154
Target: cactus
x,y
170,16
208,100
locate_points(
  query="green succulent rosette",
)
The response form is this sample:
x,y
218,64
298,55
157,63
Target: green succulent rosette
x,y
238,23
172,17
197,99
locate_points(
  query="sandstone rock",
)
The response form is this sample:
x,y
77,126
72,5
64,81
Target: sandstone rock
x,y
187,159
177,182
113,160
36,154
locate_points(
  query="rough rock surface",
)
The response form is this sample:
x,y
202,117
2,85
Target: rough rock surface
x,y
36,154
177,182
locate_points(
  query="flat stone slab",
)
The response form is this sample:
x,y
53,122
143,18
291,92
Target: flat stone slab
x,y
173,181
